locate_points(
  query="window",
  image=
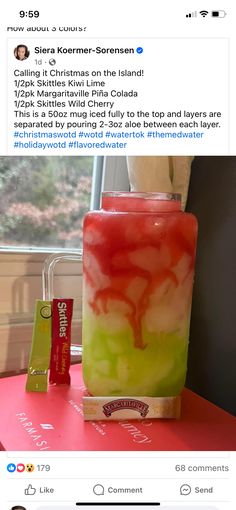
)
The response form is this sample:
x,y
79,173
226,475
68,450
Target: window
x,y
42,203
43,200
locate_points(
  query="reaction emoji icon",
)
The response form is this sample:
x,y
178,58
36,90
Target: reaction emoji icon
x,y
29,468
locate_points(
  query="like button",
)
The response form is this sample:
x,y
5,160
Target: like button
x,y
30,491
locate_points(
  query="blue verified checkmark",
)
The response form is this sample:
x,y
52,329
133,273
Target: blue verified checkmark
x,y
139,49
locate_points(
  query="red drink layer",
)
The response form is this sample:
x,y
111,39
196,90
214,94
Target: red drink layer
x,y
139,253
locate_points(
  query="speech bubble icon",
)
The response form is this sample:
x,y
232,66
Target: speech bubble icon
x,y
185,489
98,489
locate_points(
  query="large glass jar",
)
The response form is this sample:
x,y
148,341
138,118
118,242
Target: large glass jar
x,y
138,266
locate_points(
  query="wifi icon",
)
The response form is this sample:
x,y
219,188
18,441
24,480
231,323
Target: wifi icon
x,y
203,13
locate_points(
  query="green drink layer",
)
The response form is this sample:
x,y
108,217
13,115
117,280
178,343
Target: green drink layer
x,y
113,366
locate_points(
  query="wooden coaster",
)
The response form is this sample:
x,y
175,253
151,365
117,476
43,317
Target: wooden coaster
x,y
130,408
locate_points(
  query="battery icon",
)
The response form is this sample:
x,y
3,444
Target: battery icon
x,y
218,14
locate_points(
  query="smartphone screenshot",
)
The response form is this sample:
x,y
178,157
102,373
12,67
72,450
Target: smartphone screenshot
x,y
117,256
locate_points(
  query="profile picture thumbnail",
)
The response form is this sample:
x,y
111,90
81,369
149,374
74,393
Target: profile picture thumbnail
x,y
21,52
18,507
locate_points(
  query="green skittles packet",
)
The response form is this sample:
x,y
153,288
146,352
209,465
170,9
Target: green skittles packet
x,y
37,379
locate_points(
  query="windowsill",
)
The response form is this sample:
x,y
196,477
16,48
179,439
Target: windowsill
x,y
35,250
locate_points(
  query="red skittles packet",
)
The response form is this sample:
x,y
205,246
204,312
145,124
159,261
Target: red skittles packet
x,y
62,310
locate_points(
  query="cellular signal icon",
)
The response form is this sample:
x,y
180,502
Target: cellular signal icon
x,y
191,14
203,13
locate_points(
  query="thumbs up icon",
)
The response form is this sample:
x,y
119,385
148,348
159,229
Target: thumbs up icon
x,y
30,491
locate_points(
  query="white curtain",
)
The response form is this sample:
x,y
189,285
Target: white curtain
x,y
160,174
